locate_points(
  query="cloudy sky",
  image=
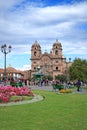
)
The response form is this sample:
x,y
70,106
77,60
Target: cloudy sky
x,y
22,22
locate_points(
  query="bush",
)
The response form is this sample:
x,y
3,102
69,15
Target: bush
x,y
6,92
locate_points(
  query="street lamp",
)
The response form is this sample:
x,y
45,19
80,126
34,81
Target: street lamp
x,y
5,50
67,72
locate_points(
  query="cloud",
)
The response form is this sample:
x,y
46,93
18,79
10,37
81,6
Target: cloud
x,y
25,67
21,49
6,5
23,22
32,21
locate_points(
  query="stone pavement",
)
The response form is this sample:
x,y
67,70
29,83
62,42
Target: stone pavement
x,y
50,88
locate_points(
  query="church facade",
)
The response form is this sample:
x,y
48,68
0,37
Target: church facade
x,y
53,63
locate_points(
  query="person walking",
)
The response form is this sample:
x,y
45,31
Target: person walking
x,y
78,85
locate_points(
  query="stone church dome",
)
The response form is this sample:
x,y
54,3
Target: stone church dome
x,y
36,45
57,43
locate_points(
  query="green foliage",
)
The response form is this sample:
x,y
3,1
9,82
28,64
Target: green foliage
x,y
61,77
78,70
49,77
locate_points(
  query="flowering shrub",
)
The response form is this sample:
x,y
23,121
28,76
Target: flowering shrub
x,y
65,91
6,92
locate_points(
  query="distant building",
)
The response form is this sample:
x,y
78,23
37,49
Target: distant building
x,y
14,73
53,63
11,73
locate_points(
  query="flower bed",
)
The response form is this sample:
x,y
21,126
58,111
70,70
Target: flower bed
x,y
6,93
65,91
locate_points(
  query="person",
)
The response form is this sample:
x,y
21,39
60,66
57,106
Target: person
x,y
78,85
54,82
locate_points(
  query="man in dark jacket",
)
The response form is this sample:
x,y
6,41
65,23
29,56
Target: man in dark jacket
x,y
78,85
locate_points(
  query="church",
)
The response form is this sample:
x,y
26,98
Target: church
x,y
53,63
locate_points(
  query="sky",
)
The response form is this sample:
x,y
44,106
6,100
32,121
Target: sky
x,y
22,22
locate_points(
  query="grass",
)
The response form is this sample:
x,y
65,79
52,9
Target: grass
x,y
55,112
19,98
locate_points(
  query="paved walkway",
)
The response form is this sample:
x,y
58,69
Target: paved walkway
x,y
50,88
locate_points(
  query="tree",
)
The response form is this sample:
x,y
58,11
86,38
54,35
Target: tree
x,y
61,77
49,77
78,70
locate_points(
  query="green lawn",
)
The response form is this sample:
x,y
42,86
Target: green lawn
x,y
55,112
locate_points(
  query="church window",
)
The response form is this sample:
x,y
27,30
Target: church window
x,y
56,52
57,61
35,53
56,68
34,68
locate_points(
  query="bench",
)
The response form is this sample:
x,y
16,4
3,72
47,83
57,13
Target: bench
x,y
57,86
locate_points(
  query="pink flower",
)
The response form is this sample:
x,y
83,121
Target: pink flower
x,y
7,91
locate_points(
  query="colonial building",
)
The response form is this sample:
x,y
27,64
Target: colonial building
x,y
53,63
11,73
14,73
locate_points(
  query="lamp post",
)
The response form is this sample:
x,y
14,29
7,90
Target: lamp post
x,y
5,50
67,73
